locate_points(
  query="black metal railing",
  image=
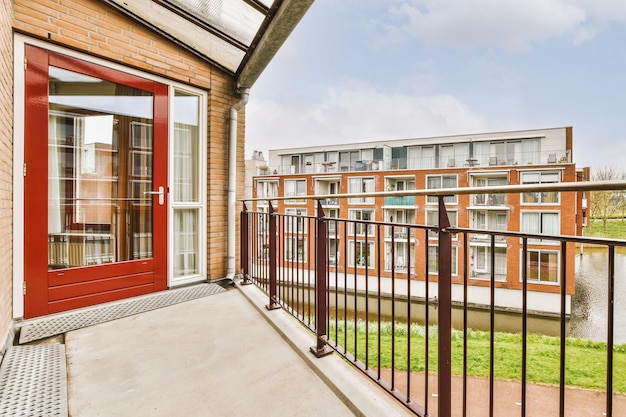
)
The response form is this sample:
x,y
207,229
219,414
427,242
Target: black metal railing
x,y
404,327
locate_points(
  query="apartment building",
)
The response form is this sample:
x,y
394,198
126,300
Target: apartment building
x,y
536,156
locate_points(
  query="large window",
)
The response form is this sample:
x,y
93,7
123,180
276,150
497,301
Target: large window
x,y
435,182
433,259
361,254
543,266
432,219
361,228
295,248
358,186
295,188
187,201
481,262
397,253
544,197
295,220
540,222
266,189
399,216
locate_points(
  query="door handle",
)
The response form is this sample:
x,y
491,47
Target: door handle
x,y
160,193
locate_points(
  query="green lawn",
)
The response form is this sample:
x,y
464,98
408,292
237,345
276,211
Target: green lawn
x,y
615,229
585,360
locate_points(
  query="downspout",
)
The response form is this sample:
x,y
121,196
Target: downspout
x,y
232,181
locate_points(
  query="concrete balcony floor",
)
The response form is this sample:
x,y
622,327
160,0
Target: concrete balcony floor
x,y
221,355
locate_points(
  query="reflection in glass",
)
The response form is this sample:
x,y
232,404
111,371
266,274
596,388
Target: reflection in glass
x,y
185,183
99,166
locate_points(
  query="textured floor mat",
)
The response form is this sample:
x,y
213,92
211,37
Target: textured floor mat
x,y
33,381
59,324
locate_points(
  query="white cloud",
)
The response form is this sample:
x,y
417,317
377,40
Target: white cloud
x,y
509,24
354,113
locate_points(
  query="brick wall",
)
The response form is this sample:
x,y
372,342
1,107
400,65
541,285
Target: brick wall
x,y
92,27
6,173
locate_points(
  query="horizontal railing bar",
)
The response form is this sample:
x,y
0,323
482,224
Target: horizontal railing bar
x,y
559,238
503,189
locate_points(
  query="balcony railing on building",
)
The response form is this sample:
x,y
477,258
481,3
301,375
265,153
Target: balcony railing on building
x,y
475,160
388,296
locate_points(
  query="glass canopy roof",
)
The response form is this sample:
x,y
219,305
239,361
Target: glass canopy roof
x,y
225,32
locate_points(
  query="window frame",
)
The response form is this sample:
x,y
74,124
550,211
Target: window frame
x,y
296,182
538,198
528,268
363,187
448,199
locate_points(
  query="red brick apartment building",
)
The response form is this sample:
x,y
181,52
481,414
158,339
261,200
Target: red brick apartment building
x,y
121,144
474,160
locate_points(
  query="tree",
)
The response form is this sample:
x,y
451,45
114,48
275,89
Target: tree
x,y
605,204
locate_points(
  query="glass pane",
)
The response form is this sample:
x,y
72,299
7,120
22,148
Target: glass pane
x,y
185,242
235,18
99,167
186,147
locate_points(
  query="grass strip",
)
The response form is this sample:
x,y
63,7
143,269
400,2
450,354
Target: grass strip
x,y
585,360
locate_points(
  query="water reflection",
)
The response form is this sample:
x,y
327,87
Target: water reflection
x,y
589,304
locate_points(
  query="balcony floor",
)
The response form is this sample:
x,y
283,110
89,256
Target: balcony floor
x,y
219,355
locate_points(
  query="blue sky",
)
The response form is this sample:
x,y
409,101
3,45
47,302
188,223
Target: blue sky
x,y
361,70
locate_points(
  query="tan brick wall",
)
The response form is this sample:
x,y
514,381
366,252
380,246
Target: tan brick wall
x,y
6,170
90,26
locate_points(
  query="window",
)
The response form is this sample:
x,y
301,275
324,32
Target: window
x,y
426,158
495,199
186,151
534,222
295,188
433,259
295,220
481,263
506,152
400,256
432,219
360,228
400,184
361,185
399,216
295,249
545,197
543,266
361,254
325,187
488,220
435,182
266,189
446,156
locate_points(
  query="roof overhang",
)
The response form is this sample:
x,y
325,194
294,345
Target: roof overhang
x,y
239,36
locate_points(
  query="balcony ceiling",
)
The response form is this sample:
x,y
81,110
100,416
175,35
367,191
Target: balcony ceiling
x,y
239,36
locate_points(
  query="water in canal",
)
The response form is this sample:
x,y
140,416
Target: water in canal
x,y
589,305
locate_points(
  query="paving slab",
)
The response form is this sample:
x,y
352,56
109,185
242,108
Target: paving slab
x,y
214,356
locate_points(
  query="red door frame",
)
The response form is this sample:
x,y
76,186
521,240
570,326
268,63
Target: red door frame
x,y
65,289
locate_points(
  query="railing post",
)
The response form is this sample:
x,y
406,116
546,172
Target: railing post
x,y
321,271
244,242
445,312
273,304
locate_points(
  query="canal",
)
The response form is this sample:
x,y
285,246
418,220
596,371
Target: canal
x,y
589,318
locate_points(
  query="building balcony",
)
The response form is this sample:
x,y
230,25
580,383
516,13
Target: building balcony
x,y
452,292
400,201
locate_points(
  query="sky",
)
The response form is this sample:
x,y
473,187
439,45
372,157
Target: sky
x,y
364,70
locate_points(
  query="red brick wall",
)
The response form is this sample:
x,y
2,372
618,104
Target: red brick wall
x,y
90,26
568,219
6,170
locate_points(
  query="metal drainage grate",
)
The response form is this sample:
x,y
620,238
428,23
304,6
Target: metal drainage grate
x,y
52,326
33,381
